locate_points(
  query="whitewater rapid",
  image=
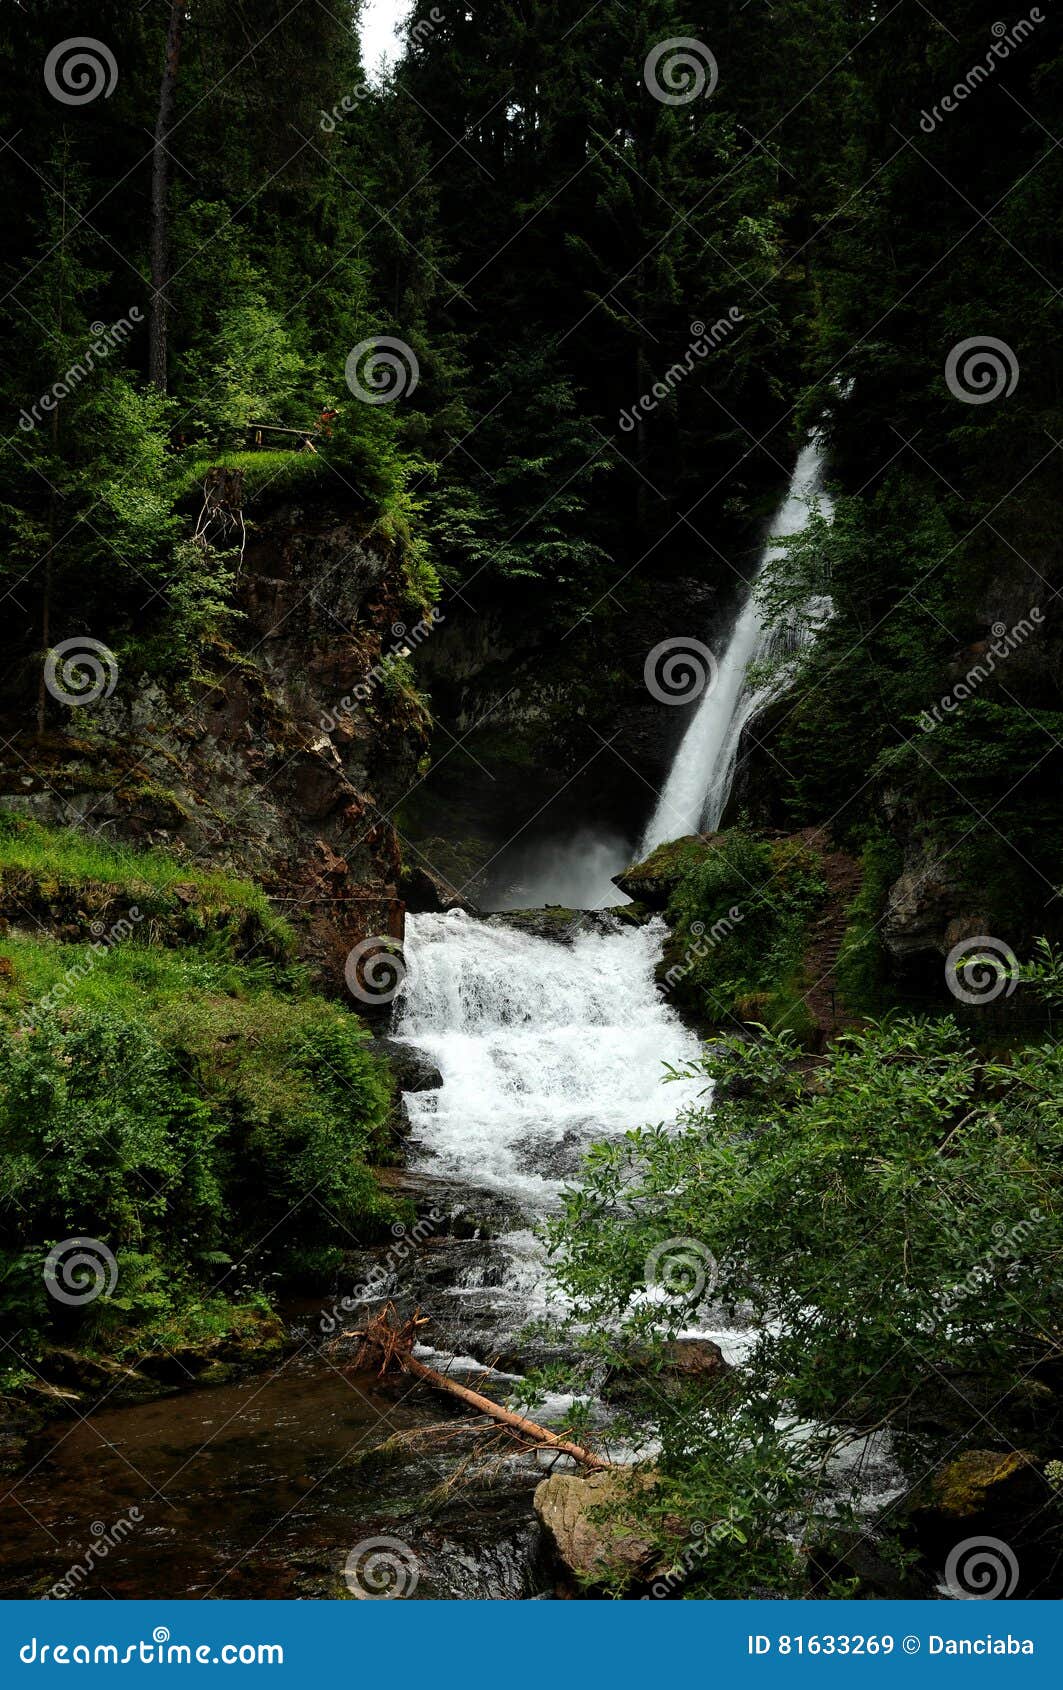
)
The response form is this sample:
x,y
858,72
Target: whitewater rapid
x,y
544,1048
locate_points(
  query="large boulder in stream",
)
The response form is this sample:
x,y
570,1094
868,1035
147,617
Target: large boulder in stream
x,y
591,1522
555,921
979,1521
411,1068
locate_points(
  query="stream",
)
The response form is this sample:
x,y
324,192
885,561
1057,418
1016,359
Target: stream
x,y
265,1487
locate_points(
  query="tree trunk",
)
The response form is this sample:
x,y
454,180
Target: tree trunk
x,y
515,1422
160,175
387,1342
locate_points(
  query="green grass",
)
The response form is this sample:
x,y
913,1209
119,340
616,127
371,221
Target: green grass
x,y
67,855
214,1122
270,467
134,978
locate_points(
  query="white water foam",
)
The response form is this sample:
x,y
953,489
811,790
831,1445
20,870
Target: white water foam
x,y
544,1048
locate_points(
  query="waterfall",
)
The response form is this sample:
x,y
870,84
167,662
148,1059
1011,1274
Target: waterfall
x,y
699,784
543,1048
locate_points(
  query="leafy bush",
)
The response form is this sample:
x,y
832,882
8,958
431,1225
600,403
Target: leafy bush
x,y
211,1130
740,914
890,1226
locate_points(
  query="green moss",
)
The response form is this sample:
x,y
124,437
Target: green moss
x,y
741,908
275,469
862,965
200,1112
70,855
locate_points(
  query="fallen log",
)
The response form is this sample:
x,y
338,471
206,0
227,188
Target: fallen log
x,y
389,1343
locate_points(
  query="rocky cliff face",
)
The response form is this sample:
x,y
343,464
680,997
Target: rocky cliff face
x,y
546,729
284,763
968,865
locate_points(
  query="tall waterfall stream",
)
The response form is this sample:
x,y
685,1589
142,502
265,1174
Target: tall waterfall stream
x,y
258,1487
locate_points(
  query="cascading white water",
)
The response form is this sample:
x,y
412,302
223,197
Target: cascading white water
x,y
699,784
543,1048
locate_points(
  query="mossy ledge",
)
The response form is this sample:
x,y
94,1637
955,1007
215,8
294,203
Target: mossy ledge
x,y
173,1092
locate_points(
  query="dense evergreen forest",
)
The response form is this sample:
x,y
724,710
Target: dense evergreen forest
x,y
363,433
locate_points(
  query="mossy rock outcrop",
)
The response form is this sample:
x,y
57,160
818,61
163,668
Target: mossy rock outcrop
x,y
592,1525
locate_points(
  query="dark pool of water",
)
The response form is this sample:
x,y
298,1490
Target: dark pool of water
x,y
262,1489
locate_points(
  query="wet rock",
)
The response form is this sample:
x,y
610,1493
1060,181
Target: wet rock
x,y
467,1211
921,906
682,1362
652,882
983,1485
591,1523
554,921
694,1358
426,890
855,1553
413,1071
982,1526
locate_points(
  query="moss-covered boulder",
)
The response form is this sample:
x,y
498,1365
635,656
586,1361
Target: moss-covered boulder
x,y
592,1524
